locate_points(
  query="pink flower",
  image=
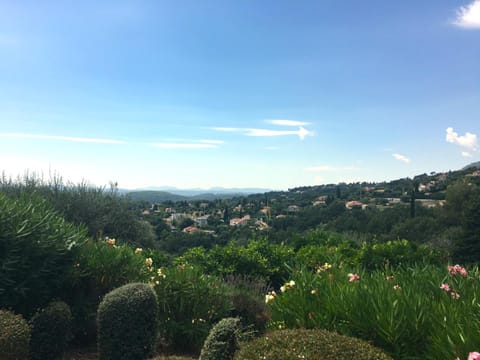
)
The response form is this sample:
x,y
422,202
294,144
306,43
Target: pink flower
x,y
457,269
474,356
445,287
353,277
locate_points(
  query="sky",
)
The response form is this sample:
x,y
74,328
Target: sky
x,y
271,94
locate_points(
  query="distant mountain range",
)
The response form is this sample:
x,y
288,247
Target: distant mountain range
x,y
170,193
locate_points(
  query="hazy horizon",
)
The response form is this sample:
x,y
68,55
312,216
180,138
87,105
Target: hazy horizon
x,y
245,94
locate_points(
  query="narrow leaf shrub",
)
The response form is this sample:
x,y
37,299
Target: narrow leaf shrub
x,y
127,323
36,252
222,341
190,303
314,344
51,329
14,336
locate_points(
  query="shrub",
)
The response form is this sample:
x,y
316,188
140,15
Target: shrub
x,y
248,301
222,341
51,329
14,336
190,302
100,267
127,323
308,344
36,252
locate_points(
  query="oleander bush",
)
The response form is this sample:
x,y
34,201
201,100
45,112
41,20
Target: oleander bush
x,y
422,312
127,323
190,303
222,341
37,251
51,331
14,336
314,344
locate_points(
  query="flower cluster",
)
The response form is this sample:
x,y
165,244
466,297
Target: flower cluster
x,y
353,277
457,269
287,286
270,297
148,261
138,250
474,356
323,268
455,295
109,241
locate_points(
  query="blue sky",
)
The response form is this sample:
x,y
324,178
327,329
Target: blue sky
x,y
249,93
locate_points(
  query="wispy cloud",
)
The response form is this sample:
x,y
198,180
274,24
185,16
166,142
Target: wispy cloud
x,y
301,132
325,168
466,154
213,142
185,145
61,138
468,16
401,158
288,122
468,140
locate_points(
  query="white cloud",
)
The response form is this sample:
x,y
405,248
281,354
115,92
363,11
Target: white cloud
x,y
213,142
468,140
287,122
466,154
401,158
61,138
468,16
184,145
301,132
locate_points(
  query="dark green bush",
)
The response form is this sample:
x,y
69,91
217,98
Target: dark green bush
x,y
222,341
51,329
190,303
248,300
37,249
14,336
308,344
127,323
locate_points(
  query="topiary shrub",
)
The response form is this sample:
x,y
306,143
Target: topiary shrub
x,y
314,344
222,341
127,323
51,329
14,336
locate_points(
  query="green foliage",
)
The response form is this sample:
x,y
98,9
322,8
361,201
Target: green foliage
x,y
396,253
258,259
190,302
37,249
14,336
403,311
104,213
127,323
247,297
308,344
51,329
222,341
99,267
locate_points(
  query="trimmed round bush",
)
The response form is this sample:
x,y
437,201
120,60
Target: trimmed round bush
x,y
51,330
127,323
14,336
222,341
313,344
